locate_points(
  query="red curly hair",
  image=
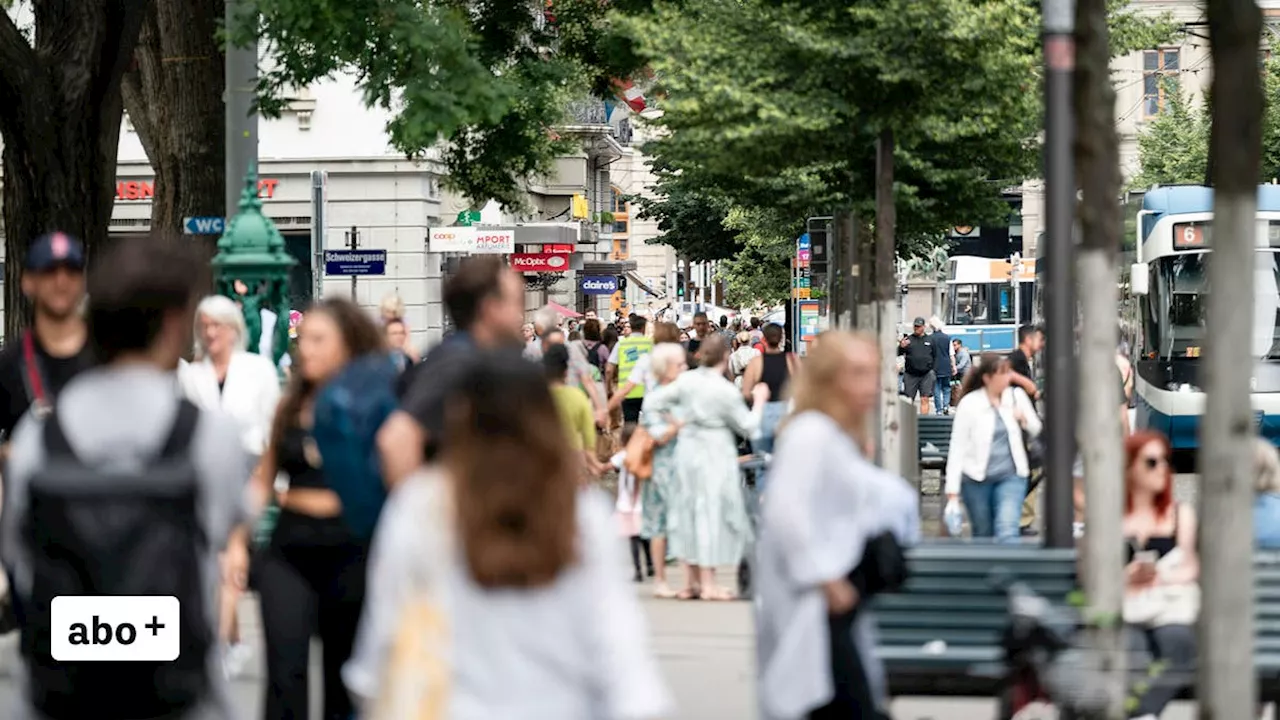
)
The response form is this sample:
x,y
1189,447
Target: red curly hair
x,y
1133,446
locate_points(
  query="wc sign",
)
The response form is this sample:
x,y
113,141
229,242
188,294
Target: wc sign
x,y
599,285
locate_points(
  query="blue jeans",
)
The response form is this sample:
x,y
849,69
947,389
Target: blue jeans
x,y
773,413
942,395
994,506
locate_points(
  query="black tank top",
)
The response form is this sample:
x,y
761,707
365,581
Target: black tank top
x,y
293,461
1160,544
775,373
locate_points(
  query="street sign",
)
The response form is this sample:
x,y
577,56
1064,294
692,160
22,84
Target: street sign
x,y
599,285
803,242
540,262
203,225
355,262
468,217
495,242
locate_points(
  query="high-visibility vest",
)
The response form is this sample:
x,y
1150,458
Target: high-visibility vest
x,y
630,350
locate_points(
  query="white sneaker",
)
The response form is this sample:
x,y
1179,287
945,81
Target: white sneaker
x,y
235,659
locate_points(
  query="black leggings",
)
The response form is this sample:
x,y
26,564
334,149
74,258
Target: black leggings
x,y
310,581
853,697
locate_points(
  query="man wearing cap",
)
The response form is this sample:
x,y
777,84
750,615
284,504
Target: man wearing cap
x,y
36,365
917,354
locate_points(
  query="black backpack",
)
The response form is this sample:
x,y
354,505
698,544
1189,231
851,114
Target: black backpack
x,y
93,533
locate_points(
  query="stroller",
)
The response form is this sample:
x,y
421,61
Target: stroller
x,y
753,467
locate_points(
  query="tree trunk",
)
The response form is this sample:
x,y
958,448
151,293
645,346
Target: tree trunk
x,y
1226,676
1097,150
60,112
174,95
883,294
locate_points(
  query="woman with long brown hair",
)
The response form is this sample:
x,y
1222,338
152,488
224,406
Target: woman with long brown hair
x,y
827,512
310,576
494,585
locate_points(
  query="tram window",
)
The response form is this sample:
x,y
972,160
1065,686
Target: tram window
x,y
968,305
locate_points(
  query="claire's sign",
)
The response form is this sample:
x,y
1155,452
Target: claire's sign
x,y
599,285
540,262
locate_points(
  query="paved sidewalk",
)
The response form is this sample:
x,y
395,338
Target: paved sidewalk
x,y
706,649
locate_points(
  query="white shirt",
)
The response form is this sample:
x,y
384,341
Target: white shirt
x,y
974,429
575,649
249,395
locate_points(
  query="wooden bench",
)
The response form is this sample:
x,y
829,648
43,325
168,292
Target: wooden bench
x,y
933,433
941,635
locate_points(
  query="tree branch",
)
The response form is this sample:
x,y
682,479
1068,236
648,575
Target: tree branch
x,y
17,61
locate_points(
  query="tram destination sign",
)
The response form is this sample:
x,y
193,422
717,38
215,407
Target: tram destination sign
x,y
1198,235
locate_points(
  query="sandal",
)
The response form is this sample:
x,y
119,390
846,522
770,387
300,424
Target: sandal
x,y
662,592
720,595
689,594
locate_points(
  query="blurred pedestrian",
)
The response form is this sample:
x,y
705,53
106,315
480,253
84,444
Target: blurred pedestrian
x,y
485,300
774,368
576,415
830,522
396,327
711,504
625,365
988,467
660,490
944,366
396,334
628,510
494,589
741,357
124,478
1266,505
37,365
310,576
244,385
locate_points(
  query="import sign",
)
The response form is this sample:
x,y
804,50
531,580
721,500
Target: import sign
x,y
451,239
539,262
495,242
599,285
203,225
355,262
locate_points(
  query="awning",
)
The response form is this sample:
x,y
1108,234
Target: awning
x,y
640,283
564,311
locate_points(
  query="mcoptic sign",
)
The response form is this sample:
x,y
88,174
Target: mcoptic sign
x,y
451,239
599,285
539,262
495,242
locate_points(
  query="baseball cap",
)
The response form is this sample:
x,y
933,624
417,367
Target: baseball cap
x,y
918,323
54,249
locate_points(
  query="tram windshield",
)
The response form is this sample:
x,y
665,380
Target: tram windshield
x,y
1176,314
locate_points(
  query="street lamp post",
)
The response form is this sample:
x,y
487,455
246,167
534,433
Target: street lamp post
x,y
1060,302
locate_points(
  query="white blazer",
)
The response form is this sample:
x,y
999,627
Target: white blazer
x,y
250,394
974,428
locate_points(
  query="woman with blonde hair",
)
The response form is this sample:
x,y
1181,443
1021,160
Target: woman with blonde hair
x,y
828,514
392,310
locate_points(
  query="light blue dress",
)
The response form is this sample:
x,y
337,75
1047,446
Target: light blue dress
x,y
656,493
707,523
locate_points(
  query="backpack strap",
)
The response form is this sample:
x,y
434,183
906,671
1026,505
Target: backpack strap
x,y
55,440
184,426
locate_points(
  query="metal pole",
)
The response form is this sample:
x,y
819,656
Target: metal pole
x,y
353,239
1060,306
242,121
317,233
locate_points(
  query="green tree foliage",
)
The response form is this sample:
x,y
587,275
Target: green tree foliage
x,y
492,79
1174,148
773,105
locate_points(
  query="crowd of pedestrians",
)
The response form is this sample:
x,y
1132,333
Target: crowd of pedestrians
x,y
434,519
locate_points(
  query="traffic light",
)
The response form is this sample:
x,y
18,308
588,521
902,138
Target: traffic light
x,y
679,284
